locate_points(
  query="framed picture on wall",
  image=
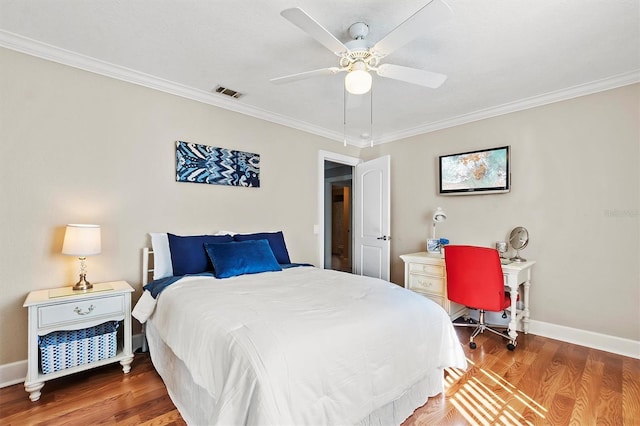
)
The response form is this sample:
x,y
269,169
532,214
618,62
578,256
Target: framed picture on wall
x,y
198,163
486,171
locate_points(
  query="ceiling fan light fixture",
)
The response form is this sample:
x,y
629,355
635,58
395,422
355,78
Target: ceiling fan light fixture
x,y
358,80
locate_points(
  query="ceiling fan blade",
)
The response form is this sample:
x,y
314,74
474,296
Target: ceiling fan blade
x,y
431,15
306,23
304,75
429,79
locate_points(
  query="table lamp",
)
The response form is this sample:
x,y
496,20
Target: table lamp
x,y
82,241
438,216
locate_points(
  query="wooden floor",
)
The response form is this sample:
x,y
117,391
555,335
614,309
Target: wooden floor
x,y
543,382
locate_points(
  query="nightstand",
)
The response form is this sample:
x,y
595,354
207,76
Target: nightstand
x,y
62,309
425,274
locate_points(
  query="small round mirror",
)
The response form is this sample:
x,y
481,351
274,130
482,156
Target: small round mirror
x,y
518,239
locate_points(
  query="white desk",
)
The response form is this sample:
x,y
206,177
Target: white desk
x,y
424,273
516,274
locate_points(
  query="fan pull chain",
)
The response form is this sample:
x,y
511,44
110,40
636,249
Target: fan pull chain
x,y
344,115
371,116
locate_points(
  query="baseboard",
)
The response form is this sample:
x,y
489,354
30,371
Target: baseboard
x,y
590,339
15,372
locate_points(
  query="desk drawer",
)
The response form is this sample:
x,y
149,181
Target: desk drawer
x,y
427,269
80,310
439,300
428,283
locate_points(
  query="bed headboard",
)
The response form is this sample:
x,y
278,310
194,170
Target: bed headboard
x,y
147,265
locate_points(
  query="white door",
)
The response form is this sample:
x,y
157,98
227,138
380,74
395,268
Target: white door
x,y
372,218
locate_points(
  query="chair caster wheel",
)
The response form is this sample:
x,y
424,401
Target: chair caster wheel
x,y
511,347
472,345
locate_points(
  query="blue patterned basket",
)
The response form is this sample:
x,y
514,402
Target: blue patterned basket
x,y
65,349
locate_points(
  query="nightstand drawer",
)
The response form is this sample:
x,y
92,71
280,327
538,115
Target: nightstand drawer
x,y
81,310
427,269
427,283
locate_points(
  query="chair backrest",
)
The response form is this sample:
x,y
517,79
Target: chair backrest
x,y
474,277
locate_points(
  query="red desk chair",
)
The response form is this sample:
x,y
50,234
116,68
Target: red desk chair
x,y
475,280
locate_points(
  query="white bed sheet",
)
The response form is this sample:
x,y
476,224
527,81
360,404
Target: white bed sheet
x,y
144,307
301,346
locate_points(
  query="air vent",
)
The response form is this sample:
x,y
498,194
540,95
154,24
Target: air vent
x,y
227,92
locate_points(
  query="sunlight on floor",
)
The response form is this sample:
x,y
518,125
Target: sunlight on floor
x,y
495,403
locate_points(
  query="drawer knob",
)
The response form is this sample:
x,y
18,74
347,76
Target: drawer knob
x,y
78,310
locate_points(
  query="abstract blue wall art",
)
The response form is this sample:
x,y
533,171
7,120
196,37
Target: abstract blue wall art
x,y
218,166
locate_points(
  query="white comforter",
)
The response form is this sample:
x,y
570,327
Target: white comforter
x,y
305,345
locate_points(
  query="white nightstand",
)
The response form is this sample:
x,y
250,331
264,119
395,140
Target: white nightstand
x,y
63,309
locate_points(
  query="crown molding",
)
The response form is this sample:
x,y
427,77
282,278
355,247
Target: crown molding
x,y
66,57
613,82
42,50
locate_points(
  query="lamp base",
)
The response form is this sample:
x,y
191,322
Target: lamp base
x,y
83,284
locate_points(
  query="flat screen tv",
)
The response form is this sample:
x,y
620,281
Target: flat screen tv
x,y
485,171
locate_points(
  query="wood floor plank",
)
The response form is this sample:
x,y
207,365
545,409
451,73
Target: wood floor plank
x,y
574,359
589,390
612,373
630,391
609,406
556,411
543,382
536,384
171,418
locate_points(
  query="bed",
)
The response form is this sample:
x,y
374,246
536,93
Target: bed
x,y
292,344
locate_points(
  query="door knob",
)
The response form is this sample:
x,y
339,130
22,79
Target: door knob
x,y
384,238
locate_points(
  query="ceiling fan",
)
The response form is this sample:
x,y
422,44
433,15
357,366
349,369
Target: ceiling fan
x,y
360,56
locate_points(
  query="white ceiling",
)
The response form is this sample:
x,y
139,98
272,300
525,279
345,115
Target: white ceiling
x,y
499,55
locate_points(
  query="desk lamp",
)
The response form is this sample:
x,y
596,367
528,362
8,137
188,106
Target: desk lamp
x,y
82,241
438,216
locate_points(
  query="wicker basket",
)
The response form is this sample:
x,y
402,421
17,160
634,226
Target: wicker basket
x,y
65,349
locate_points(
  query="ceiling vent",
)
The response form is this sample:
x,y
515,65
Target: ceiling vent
x,y
227,92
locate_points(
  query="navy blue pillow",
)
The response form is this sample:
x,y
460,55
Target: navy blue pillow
x,y
188,255
275,239
241,257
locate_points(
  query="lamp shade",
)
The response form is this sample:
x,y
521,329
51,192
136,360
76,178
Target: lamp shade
x,y
82,240
439,215
358,81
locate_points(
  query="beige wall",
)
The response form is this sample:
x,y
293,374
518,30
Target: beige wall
x,y
78,147
576,188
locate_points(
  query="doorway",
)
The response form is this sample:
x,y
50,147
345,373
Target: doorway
x,y
368,245
338,216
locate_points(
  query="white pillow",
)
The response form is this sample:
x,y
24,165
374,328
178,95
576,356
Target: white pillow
x,y
162,266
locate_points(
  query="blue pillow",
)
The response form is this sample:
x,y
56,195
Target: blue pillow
x,y
276,242
241,257
188,255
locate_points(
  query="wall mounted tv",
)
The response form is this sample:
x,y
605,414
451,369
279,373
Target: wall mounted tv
x,y
485,171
